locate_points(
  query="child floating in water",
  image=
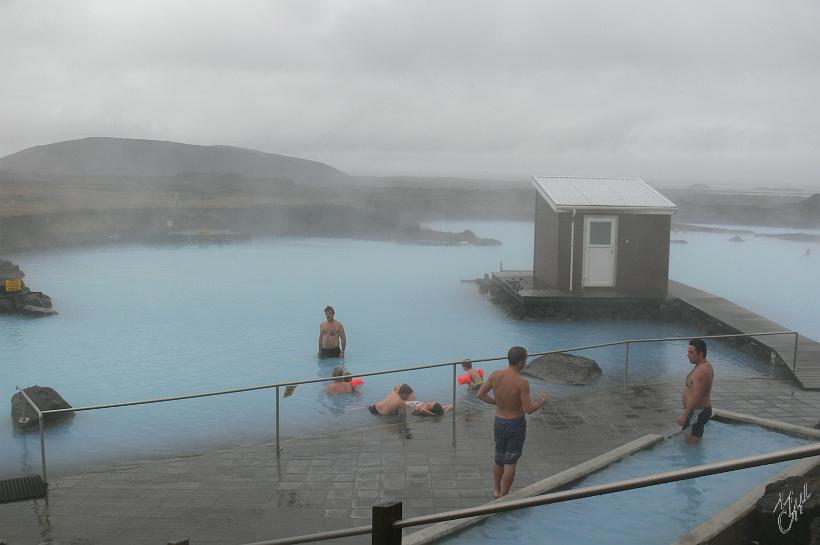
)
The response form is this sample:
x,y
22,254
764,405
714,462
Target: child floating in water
x,y
476,376
427,408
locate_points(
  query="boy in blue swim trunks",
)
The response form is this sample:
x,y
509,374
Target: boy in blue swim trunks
x,y
512,401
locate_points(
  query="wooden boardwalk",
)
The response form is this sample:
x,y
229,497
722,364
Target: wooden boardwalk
x,y
742,320
518,284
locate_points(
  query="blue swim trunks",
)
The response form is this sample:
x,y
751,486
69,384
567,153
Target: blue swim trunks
x,y
509,439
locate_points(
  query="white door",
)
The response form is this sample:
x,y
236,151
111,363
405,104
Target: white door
x,y
600,243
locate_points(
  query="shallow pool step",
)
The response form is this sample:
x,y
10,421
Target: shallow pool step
x,y
22,488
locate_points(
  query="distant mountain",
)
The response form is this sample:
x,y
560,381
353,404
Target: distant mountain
x,y
126,158
809,207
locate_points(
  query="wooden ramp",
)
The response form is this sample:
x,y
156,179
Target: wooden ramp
x,y
807,371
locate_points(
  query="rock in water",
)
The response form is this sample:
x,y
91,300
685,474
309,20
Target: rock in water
x,y
564,369
47,399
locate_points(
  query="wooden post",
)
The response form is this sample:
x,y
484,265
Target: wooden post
x,y
384,515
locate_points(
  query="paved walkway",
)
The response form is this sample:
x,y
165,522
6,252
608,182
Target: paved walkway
x,y
247,494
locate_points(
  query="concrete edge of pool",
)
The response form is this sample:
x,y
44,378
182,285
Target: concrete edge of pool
x,y
729,526
710,529
440,530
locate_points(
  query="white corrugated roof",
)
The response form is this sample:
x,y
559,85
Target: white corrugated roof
x,y
567,192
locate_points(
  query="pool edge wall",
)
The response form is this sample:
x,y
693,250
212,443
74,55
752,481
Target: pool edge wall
x,y
735,524
441,530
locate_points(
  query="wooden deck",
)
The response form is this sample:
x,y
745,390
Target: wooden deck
x,y
518,284
742,320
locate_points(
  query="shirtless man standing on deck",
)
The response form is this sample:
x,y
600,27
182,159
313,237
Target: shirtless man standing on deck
x,y
697,405
330,332
512,401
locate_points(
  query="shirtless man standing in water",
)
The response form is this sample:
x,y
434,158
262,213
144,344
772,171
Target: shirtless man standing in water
x,y
330,332
697,405
512,401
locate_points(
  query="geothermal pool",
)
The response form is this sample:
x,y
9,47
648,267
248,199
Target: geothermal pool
x,y
140,322
648,516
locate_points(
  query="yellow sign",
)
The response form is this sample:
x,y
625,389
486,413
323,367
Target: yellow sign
x,y
289,390
13,284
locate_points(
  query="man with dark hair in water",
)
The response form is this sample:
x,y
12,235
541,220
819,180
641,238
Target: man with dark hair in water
x,y
395,401
331,331
512,401
697,404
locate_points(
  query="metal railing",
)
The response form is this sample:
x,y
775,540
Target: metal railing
x,y
453,364
387,522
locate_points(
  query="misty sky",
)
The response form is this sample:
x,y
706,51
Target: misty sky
x,y
688,91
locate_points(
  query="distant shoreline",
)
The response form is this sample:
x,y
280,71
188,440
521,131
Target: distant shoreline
x,y
163,225
796,236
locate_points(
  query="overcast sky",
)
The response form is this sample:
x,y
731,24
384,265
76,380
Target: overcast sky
x,y
689,91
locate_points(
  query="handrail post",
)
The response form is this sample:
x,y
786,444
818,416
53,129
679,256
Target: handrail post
x,y
453,421
455,381
40,418
384,515
626,367
43,448
277,421
794,361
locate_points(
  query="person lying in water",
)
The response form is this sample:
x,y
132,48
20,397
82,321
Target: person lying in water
x,y
427,408
395,401
339,384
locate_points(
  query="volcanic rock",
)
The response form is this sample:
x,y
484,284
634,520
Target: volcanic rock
x,y
564,369
47,399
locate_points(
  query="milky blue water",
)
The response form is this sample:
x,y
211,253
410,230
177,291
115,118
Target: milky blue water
x,y
139,322
774,278
659,514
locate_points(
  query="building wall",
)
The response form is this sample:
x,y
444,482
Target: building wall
x,y
551,262
564,245
545,259
643,262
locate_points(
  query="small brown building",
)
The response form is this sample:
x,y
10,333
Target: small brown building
x,y
601,234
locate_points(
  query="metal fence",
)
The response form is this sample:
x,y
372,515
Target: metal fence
x,y
453,364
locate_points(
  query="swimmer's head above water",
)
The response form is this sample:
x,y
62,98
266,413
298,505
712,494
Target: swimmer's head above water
x,y
436,409
404,391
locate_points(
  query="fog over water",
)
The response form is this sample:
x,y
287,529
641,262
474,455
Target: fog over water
x,y
669,91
